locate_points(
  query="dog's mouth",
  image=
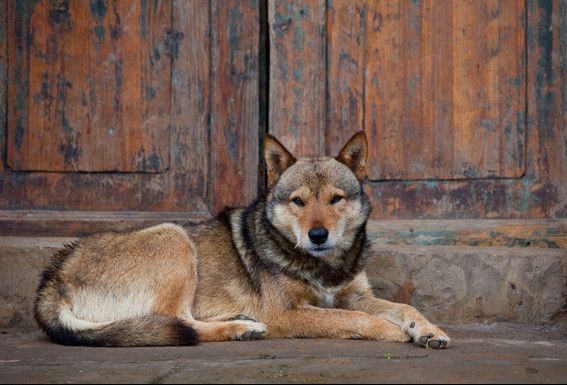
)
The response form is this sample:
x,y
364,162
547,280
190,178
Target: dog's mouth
x,y
320,251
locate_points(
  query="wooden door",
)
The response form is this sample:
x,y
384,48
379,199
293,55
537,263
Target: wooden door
x,y
459,99
114,113
132,107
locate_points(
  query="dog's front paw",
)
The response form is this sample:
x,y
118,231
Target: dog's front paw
x,y
248,330
427,334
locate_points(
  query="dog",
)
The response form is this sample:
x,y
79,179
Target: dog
x,y
289,265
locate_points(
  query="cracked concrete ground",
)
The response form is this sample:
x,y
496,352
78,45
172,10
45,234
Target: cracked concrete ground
x,y
506,353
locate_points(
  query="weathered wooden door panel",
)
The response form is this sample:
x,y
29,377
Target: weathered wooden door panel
x,y
444,88
92,86
439,86
446,92
164,105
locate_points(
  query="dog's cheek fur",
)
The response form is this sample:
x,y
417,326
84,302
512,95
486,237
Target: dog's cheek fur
x,y
285,222
349,219
355,215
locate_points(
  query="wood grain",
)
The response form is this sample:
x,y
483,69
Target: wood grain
x,y
542,191
214,129
3,78
190,102
234,102
201,177
444,90
347,42
81,223
297,74
95,78
445,96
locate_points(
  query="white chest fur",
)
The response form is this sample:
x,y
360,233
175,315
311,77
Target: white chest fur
x,y
327,295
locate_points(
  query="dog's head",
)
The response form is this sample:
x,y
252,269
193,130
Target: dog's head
x,y
317,203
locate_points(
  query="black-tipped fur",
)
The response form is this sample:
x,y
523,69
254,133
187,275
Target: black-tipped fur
x,y
150,330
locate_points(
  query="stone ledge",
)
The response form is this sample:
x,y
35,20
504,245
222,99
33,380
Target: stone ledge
x,y
22,260
465,283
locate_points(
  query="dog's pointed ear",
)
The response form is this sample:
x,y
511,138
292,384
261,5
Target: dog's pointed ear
x,y
354,154
277,159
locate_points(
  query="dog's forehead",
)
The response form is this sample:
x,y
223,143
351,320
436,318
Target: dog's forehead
x,y
314,173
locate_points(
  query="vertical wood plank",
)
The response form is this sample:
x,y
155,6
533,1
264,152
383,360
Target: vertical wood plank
x,y
130,46
190,98
19,14
411,129
117,79
234,102
438,67
488,87
346,52
547,106
298,74
384,77
562,38
3,79
58,72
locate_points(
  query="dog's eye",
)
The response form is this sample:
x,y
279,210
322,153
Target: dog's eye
x,y
298,202
336,199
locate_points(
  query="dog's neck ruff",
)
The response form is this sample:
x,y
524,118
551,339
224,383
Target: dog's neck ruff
x,y
262,248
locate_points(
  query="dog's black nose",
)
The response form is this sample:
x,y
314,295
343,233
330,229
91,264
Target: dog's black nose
x,y
318,235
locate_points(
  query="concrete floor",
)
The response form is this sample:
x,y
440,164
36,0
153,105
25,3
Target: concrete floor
x,y
508,353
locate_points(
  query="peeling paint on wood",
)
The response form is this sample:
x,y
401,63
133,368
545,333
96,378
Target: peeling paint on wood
x,y
538,233
320,88
3,81
438,148
78,69
234,102
183,44
190,104
430,75
297,74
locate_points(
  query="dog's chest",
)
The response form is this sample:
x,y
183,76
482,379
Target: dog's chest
x,y
326,296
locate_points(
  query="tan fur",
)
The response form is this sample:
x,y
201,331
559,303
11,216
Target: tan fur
x,y
198,275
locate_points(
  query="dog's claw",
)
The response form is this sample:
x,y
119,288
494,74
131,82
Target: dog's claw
x,y
251,335
433,342
424,339
242,317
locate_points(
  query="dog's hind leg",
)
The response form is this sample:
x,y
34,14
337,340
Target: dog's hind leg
x,y
178,303
237,330
174,297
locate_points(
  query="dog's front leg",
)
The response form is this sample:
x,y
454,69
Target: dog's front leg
x,y
358,296
310,321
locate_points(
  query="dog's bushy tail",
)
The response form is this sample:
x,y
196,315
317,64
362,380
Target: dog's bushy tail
x,y
149,330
